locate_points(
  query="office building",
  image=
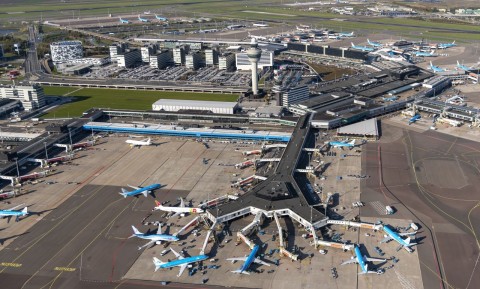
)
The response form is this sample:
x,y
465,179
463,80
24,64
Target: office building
x,y
243,62
147,51
116,49
211,57
193,60
295,95
63,51
179,56
129,58
161,59
31,97
227,62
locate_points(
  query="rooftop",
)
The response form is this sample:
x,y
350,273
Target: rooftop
x,y
195,103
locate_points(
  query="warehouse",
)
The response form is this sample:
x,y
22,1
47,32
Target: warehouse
x,y
178,105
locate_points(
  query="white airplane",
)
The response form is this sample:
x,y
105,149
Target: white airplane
x,y
139,143
343,34
179,211
262,38
259,25
157,238
362,261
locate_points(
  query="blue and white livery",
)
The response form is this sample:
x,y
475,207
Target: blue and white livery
x,y
248,261
139,190
374,43
344,34
436,68
161,18
342,144
142,19
446,45
123,20
463,67
362,261
425,54
181,262
362,48
157,238
12,212
392,235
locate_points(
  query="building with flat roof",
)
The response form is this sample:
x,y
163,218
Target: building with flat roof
x,y
31,97
243,62
220,107
226,62
129,58
116,49
211,57
179,56
294,95
193,60
161,59
63,51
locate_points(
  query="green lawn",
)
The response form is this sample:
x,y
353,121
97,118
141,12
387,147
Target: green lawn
x,y
58,90
87,98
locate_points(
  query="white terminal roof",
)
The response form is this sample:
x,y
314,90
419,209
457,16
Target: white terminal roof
x,y
364,128
195,103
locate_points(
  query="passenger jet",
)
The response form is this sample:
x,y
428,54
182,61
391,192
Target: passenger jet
x,y
341,144
362,48
463,67
9,213
392,235
374,43
362,261
139,143
182,209
139,190
436,68
142,19
154,238
248,261
181,262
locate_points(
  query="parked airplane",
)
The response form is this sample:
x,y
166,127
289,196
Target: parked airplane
x,y
340,144
392,235
436,68
362,261
463,67
446,45
362,48
261,38
374,43
248,261
142,19
139,143
414,119
343,34
260,25
161,18
123,20
154,238
180,210
12,212
393,98
425,54
139,190
181,262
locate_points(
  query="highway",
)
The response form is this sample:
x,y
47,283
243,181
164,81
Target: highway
x,y
32,65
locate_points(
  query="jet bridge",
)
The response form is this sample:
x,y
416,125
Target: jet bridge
x,y
256,222
282,249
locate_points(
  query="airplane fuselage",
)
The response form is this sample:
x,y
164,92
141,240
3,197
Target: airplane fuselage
x,y
141,190
183,261
395,236
179,210
157,237
361,260
341,144
250,259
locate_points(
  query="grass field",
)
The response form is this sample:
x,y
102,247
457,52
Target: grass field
x,y
87,98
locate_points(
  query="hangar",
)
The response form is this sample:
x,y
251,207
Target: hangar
x,y
220,107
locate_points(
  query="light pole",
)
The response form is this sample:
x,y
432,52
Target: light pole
x,y
46,153
70,135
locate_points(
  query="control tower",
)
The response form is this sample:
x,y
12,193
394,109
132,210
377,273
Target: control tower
x,y
254,54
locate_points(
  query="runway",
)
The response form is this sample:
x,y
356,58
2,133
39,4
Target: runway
x,y
432,179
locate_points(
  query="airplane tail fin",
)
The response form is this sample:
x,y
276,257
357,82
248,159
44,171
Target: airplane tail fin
x,y
453,42
25,210
124,193
135,230
157,203
353,45
157,262
352,142
145,193
407,240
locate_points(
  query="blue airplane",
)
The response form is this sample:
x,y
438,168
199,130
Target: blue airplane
x,y
343,34
138,190
446,45
161,18
392,235
248,261
12,212
436,68
362,261
414,119
181,262
463,67
362,48
425,54
393,98
374,43
142,19
341,144
154,238
123,20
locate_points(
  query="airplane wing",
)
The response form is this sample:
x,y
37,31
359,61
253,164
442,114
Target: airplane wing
x,y
386,239
238,259
146,245
179,257
182,268
407,234
182,203
11,209
375,259
159,230
258,261
353,260
133,187
176,214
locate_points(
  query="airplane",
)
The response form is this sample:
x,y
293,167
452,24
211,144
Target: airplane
x,y
180,210
463,67
259,25
154,238
362,48
142,19
425,54
123,20
161,18
261,38
248,261
446,45
393,98
436,68
392,235
343,34
414,119
138,190
9,213
361,260
139,143
374,43
339,144
181,262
